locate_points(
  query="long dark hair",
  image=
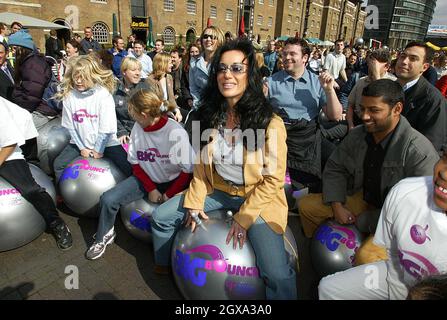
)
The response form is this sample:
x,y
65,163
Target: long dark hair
x,y
253,109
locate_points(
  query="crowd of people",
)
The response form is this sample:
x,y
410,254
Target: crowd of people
x,y
365,130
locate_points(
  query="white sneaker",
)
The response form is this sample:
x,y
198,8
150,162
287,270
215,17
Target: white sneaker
x,y
98,248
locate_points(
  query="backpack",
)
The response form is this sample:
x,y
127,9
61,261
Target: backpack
x,y
52,87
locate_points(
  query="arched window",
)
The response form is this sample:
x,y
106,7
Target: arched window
x,y
191,7
100,32
169,36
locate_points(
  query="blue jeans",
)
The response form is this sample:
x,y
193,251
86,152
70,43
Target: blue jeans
x,y
115,153
271,257
128,190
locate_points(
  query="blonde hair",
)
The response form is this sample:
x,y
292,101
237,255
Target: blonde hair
x,y
160,64
130,63
259,59
216,32
89,69
148,102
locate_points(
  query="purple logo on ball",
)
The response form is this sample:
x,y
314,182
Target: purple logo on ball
x,y
418,234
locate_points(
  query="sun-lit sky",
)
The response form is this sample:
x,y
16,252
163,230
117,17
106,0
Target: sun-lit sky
x,y
440,16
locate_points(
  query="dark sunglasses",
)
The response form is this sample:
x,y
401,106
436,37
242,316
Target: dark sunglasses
x,y
210,36
235,68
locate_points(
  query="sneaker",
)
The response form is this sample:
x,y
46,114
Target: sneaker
x,y
62,234
98,248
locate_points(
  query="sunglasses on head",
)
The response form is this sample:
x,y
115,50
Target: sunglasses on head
x,y
210,36
235,68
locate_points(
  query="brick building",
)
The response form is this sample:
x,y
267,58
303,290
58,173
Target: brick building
x,y
183,20
76,15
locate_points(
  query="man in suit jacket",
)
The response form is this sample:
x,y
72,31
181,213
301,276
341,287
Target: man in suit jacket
x,y
425,107
6,74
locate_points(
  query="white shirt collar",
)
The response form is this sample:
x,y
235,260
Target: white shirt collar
x,y
410,84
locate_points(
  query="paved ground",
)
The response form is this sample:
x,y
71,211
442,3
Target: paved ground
x,y
37,270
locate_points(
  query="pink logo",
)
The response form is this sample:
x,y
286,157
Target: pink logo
x,y
150,154
419,234
349,242
7,192
419,268
79,115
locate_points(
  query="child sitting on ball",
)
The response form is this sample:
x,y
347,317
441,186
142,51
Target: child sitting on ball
x,y
89,115
162,162
16,126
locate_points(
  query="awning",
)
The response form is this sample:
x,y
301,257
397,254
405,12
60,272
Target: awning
x,y
327,43
29,22
314,41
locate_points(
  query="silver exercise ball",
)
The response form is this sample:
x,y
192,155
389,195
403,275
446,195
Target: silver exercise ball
x,y
333,247
20,223
136,217
359,41
51,140
291,249
43,180
206,268
83,182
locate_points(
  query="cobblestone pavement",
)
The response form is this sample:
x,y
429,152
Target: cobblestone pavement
x,y
38,269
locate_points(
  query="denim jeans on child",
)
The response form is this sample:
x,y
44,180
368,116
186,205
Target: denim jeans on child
x,y
271,257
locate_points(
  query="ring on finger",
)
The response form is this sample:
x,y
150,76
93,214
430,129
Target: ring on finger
x,y
240,235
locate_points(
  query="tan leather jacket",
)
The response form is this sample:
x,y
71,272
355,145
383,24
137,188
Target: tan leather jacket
x,y
264,171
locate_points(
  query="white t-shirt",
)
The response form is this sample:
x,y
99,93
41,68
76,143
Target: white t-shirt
x,y
414,231
89,113
16,126
228,156
334,64
163,153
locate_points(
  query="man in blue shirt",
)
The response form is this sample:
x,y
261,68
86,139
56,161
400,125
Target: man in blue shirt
x,y
119,54
299,96
270,57
89,44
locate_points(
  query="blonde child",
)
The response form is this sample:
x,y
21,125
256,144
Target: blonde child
x,y
89,115
162,162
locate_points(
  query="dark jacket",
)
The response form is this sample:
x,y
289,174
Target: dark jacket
x,y
425,109
431,75
181,87
409,154
124,121
53,48
6,85
35,74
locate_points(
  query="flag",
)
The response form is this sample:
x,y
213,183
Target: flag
x,y
208,23
241,28
150,39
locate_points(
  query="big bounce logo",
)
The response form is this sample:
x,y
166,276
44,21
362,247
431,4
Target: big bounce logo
x,y
140,221
79,115
196,269
72,170
334,236
150,155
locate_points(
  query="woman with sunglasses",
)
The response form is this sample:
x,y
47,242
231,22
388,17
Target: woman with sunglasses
x,y
211,39
241,167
